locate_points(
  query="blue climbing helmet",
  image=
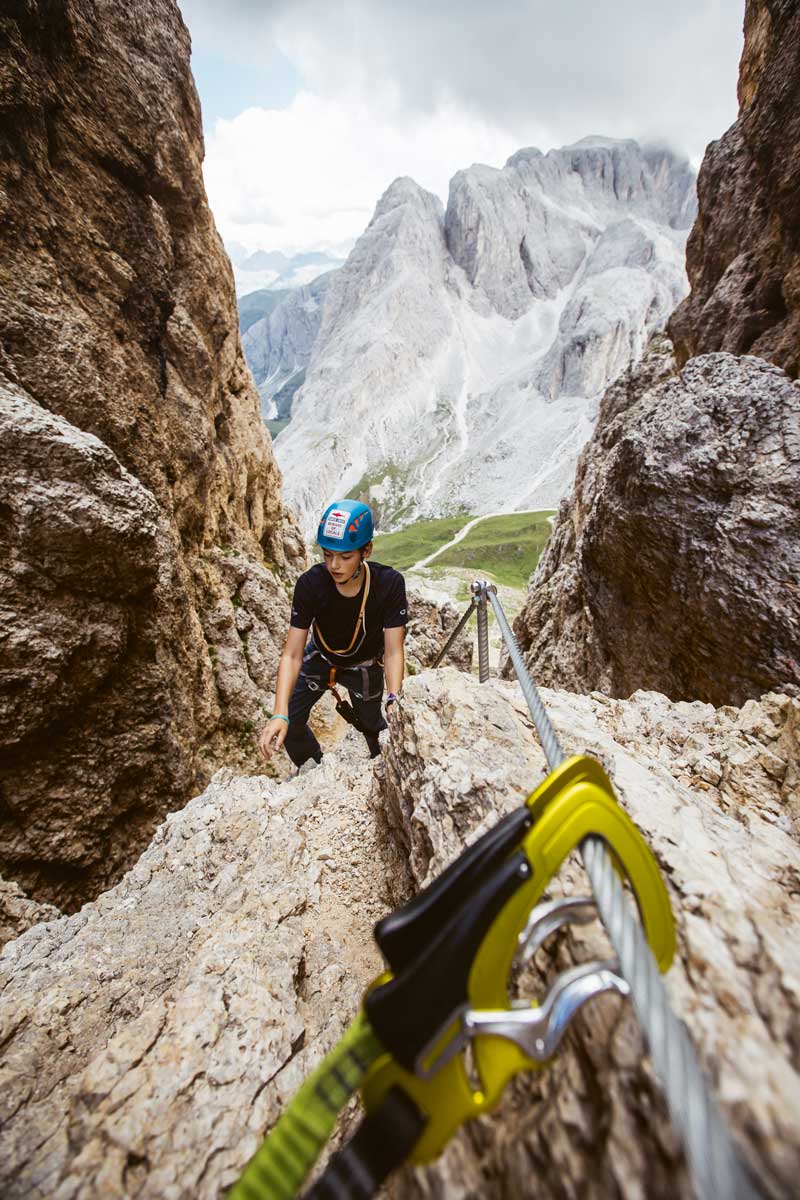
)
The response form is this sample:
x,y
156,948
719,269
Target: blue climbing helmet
x,y
345,525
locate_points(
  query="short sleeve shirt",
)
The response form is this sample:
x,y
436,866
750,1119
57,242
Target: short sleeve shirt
x,y
316,598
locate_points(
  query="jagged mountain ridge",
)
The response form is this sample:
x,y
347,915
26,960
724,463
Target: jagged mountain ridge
x,y
461,352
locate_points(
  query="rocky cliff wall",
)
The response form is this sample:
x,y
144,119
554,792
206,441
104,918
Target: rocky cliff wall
x,y
743,256
674,565
148,1041
133,466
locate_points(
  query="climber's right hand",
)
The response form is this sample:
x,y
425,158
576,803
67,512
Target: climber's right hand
x,y
273,735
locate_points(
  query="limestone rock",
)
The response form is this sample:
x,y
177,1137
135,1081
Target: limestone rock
x,y
717,794
147,1042
674,566
89,566
155,1034
18,913
743,256
118,320
517,232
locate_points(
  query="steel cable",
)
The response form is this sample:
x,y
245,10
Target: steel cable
x,y
716,1170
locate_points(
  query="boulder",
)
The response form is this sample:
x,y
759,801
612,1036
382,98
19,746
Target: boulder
x,y
674,565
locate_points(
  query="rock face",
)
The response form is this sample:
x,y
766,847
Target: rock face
x,y
278,347
132,448
149,1040
184,1007
743,256
18,912
674,566
461,354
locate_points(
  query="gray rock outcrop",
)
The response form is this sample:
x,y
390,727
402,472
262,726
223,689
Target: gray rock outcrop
x,y
674,566
149,1040
717,795
516,232
743,256
132,448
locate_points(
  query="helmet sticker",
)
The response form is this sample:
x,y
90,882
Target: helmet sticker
x,y
336,523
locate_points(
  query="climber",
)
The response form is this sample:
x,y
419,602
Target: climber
x,y
357,612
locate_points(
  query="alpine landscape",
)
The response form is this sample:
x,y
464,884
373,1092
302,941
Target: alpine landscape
x,y
577,380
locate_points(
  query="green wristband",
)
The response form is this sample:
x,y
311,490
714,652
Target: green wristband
x,y
279,717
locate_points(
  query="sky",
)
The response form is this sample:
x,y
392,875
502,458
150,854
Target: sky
x,y
311,109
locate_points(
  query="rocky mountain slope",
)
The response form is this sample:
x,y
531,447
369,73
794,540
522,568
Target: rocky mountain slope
x,y
149,1040
142,521
278,346
743,256
461,353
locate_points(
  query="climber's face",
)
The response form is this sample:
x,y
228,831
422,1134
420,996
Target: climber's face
x,y
343,565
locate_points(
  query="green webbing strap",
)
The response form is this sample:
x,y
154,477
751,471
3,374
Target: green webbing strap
x,y
283,1160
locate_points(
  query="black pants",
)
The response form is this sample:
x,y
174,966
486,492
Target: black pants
x,y
365,687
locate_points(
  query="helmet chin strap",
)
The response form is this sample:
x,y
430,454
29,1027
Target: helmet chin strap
x,y
357,572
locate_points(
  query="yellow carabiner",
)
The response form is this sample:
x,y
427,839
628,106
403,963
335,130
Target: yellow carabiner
x,y
575,801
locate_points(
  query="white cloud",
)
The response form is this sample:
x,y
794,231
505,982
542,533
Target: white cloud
x,y
310,175
425,87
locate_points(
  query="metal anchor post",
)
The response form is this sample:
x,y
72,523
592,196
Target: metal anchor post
x,y
479,589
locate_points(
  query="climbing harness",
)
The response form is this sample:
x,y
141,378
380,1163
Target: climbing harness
x,y
361,624
344,709
440,1036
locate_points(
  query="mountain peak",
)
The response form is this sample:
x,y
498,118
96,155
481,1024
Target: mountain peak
x,y
405,190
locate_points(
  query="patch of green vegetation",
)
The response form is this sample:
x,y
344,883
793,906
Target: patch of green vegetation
x,y
276,426
402,549
367,482
508,547
387,506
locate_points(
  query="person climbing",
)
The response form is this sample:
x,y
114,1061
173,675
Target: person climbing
x,y
357,613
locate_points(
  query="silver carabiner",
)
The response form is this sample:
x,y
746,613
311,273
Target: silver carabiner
x,y
538,1031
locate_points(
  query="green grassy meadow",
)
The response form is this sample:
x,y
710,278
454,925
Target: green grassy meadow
x,y
507,548
402,549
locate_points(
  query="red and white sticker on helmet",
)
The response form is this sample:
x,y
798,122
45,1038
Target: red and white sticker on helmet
x,y
336,523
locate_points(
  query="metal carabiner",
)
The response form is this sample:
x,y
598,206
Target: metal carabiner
x,y
537,1031
574,802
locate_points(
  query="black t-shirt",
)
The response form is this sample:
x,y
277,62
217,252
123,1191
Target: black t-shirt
x,y
316,598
